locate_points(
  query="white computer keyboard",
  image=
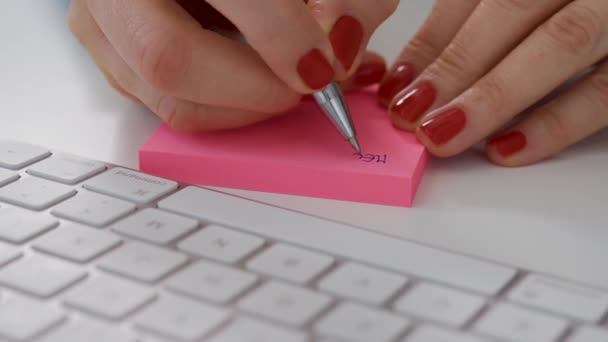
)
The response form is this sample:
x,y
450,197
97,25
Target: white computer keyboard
x,y
91,252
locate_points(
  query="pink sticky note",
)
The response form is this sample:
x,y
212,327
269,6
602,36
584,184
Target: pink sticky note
x,y
299,153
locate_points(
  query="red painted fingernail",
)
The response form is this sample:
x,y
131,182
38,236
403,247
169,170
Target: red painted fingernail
x,y
508,144
346,37
368,74
315,70
399,77
411,106
444,126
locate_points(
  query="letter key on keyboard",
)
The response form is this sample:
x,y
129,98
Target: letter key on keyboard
x,y
65,168
76,243
435,334
130,185
358,323
108,297
40,276
142,262
88,331
19,225
285,303
249,330
290,263
221,244
155,226
212,282
589,334
35,193
23,319
93,209
8,253
16,155
362,283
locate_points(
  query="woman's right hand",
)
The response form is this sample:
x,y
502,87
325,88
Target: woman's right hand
x,y
158,53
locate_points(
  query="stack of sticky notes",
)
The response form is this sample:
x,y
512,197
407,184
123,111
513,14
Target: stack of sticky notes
x,y
298,153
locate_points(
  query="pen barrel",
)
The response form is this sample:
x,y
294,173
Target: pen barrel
x,y
332,103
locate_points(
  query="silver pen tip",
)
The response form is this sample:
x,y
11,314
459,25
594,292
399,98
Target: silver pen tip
x,y
353,141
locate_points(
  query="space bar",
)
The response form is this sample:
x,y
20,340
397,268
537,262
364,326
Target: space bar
x,y
340,240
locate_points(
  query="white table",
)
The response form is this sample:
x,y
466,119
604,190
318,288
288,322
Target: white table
x,y
549,218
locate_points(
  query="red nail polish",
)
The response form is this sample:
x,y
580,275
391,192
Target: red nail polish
x,y
368,74
346,37
315,70
508,144
411,106
400,77
445,126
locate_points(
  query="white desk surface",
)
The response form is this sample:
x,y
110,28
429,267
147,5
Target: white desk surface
x,y
550,217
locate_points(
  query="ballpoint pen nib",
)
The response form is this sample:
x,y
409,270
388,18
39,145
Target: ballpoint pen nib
x,y
355,143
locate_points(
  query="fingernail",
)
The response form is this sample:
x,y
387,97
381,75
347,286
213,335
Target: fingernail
x,y
315,70
399,77
368,74
411,106
346,37
444,126
508,144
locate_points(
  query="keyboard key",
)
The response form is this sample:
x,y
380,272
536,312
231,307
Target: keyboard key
x,y
285,303
435,334
35,193
155,226
7,177
8,253
212,282
93,209
130,185
589,334
23,319
341,240
65,168
362,283
357,323
561,297
508,322
290,263
440,304
181,319
89,331
249,330
40,276
109,297
15,155
142,262
76,243
221,244
19,226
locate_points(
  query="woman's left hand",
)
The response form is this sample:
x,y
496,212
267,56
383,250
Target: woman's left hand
x,y
477,64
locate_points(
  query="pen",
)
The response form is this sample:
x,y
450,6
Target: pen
x,y
331,101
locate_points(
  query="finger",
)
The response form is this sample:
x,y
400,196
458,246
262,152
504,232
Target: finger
x,y
170,51
445,20
575,38
470,55
288,38
350,25
114,69
371,71
575,115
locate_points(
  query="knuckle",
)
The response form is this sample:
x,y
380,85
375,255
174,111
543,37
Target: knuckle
x,y
163,59
516,5
576,29
599,85
555,126
453,61
492,92
423,46
390,7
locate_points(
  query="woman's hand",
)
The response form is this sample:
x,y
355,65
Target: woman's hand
x,y
477,64
164,53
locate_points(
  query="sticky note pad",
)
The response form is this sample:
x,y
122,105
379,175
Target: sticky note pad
x,y
298,153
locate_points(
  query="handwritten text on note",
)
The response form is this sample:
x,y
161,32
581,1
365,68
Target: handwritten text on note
x,y
372,158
